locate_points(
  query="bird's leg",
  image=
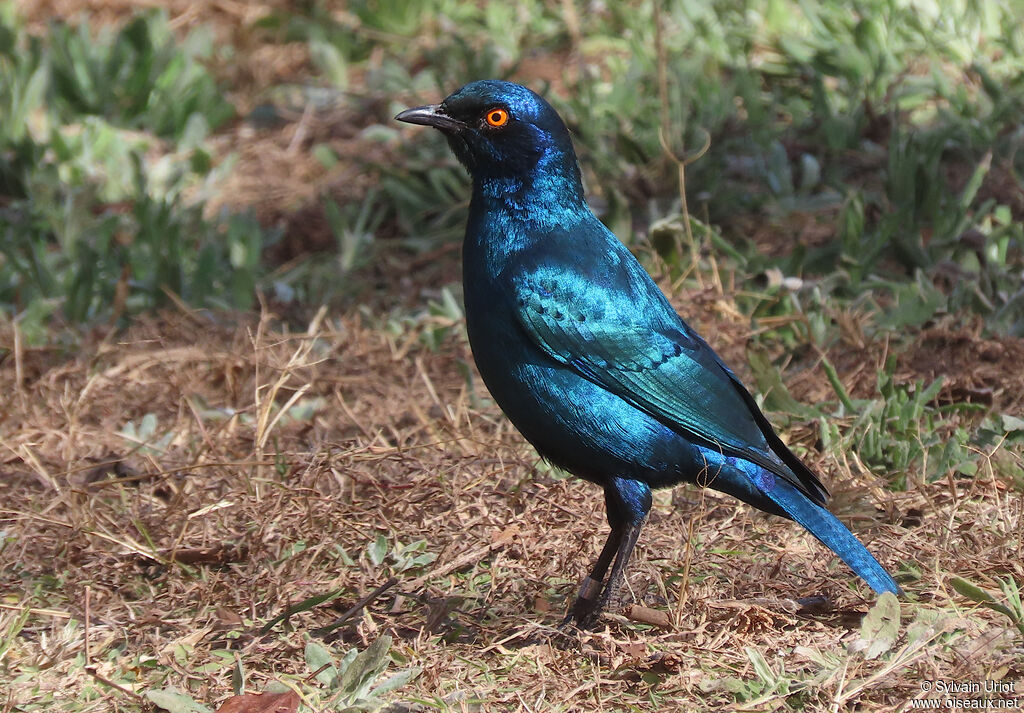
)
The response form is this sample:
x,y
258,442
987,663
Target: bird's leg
x,y
629,538
592,584
628,502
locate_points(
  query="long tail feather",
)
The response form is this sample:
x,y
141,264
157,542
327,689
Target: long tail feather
x,y
833,534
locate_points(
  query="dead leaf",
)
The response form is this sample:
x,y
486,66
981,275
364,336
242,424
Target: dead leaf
x,y
634,649
188,640
505,536
228,618
287,702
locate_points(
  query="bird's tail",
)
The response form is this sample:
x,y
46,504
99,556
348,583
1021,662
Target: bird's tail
x,y
833,534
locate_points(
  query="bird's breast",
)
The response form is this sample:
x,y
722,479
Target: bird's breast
x,y
570,420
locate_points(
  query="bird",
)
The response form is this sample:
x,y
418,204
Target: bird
x,y
586,356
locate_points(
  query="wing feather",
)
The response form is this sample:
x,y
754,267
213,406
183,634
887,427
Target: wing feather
x,y
654,362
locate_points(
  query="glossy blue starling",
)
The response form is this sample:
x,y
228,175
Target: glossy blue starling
x,y
586,356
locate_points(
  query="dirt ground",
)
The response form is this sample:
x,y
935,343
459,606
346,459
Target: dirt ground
x,y
231,515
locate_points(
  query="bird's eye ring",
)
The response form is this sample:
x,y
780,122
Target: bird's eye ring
x,y
496,117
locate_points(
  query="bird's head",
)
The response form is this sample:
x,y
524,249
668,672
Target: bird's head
x,y
505,132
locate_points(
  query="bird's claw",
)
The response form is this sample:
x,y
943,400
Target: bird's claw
x,y
588,605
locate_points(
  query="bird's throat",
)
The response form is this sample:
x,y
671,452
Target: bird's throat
x,y
526,205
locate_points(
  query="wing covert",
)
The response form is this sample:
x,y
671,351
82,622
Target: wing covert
x,y
660,367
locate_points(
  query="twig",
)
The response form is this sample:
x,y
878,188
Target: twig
x,y
354,609
681,159
88,653
117,686
38,612
470,557
646,615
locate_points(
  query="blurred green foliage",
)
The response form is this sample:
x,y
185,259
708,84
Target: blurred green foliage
x,y
138,78
91,225
893,126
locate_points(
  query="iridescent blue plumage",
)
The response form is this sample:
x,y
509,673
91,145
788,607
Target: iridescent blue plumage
x,y
585,355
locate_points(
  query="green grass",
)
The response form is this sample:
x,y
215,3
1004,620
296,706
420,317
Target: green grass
x,y
859,117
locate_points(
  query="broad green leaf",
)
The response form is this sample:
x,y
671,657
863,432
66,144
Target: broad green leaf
x,y
881,626
319,659
377,550
174,701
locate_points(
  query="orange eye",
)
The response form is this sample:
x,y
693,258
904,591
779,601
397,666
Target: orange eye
x,y
496,117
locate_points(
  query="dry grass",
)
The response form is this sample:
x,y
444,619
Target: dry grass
x,y
235,509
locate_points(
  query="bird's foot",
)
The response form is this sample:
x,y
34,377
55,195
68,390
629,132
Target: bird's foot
x,y
588,605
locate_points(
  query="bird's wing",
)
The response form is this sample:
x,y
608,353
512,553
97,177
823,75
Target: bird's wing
x,y
633,344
